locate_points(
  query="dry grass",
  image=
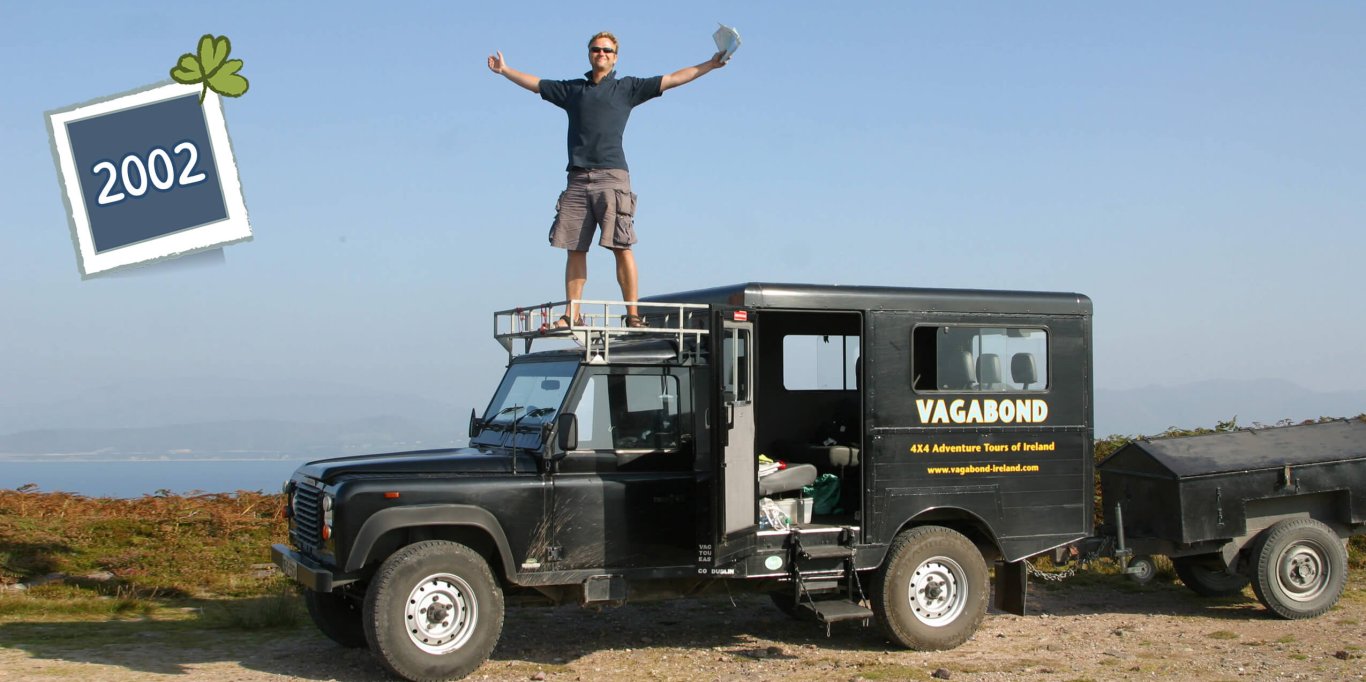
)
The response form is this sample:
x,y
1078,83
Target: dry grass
x,y
156,546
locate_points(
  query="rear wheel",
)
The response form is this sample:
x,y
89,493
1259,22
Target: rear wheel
x,y
337,616
1301,568
433,611
786,603
1206,576
931,592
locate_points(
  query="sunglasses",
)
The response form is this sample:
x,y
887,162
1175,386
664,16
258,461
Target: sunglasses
x,y
607,50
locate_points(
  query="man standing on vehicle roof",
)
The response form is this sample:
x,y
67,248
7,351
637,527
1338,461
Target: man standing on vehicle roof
x,y
599,187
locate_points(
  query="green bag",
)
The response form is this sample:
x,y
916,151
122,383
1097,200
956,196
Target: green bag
x,y
824,494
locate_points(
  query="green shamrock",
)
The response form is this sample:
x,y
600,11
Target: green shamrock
x,y
212,68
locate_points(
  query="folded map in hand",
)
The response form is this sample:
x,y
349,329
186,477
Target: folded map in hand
x,y
727,41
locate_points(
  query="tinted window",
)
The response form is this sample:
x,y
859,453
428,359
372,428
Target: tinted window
x,y
979,359
628,412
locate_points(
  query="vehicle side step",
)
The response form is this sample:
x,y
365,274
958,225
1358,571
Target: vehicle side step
x,y
827,552
836,610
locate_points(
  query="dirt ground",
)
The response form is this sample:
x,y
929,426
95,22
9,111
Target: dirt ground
x,y
1098,628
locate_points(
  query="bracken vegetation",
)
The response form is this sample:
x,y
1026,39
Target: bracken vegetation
x,y
203,557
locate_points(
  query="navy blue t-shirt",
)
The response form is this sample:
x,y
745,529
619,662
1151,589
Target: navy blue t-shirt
x,y
597,115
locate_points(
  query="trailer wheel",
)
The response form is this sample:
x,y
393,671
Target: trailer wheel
x,y
1205,575
931,591
337,617
1141,569
433,611
1301,568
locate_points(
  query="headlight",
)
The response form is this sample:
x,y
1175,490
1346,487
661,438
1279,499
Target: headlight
x,y
327,517
288,491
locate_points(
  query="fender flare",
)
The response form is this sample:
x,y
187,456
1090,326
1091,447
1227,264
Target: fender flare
x,y
386,520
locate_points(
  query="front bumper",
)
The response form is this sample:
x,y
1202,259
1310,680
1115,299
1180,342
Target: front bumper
x,y
306,571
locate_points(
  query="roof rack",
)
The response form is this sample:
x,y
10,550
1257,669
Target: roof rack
x,y
600,324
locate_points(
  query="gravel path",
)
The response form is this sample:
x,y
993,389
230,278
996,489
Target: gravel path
x,y
1100,630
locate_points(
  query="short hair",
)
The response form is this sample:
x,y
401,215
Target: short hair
x,y
605,34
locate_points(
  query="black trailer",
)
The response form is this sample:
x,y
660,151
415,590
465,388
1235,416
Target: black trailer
x,y
1273,506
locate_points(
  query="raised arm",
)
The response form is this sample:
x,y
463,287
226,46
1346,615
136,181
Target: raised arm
x,y
687,74
498,65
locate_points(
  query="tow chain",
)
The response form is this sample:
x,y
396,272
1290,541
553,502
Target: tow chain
x,y
1077,564
1055,577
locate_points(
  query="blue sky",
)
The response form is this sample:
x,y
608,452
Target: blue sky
x,y
1195,168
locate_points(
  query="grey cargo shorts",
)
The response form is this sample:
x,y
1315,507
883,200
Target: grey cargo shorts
x,y
592,198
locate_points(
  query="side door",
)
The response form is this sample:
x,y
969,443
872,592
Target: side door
x,y
622,498
732,423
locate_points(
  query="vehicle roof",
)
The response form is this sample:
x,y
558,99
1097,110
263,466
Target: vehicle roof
x,y
843,297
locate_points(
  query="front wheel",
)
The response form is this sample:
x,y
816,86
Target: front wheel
x,y
931,592
433,611
1301,568
1206,576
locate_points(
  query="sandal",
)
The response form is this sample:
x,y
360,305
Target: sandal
x,y
561,324
635,321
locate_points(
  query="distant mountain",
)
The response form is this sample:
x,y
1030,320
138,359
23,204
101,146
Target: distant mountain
x,y
217,416
1153,409
229,439
153,402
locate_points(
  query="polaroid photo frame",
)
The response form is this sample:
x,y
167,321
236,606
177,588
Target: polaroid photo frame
x,y
147,175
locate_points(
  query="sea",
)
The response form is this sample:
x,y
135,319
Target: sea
x,y
135,478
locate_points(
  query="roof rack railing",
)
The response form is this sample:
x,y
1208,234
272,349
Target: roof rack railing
x,y
600,323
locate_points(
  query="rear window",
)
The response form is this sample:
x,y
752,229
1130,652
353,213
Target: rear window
x,y
963,358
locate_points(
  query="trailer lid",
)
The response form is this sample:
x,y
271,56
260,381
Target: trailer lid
x,y
1217,453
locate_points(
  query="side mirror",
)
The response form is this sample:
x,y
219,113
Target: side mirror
x,y
567,430
476,424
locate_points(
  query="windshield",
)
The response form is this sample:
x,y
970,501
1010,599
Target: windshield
x,y
528,398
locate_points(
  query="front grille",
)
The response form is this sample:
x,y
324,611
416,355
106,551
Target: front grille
x,y
308,516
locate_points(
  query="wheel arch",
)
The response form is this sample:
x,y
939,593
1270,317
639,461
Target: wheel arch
x,y
968,524
389,529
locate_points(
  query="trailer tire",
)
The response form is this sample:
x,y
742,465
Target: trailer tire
x,y
433,611
1205,575
1142,569
932,589
337,617
1301,568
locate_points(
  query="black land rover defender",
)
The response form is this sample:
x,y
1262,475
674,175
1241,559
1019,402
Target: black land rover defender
x,y
860,453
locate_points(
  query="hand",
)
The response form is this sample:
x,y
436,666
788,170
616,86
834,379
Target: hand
x,y
716,61
496,63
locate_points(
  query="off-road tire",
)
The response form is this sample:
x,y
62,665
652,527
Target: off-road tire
x,y
1205,576
932,589
338,617
1300,568
433,611
786,603
789,605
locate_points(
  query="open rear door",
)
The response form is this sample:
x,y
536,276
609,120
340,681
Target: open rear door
x,y
733,346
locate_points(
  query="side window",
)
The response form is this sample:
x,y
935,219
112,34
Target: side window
x,y
979,359
736,364
628,412
820,363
